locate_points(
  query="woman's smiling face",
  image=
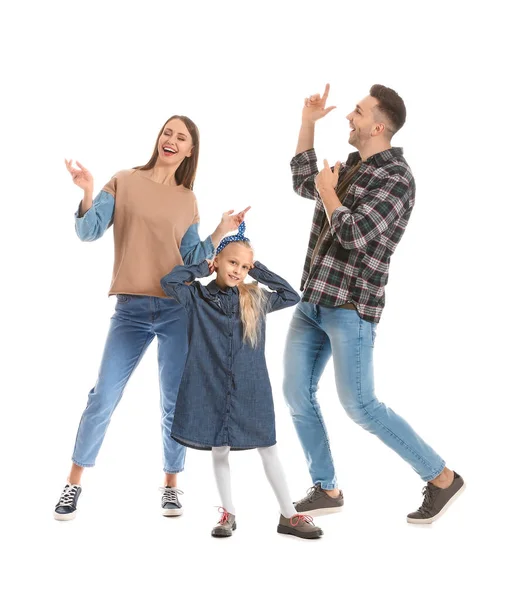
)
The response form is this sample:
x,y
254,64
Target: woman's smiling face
x,y
174,144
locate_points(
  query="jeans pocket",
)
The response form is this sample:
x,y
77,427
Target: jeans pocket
x,y
123,298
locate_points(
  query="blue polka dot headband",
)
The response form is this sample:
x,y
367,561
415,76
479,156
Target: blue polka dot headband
x,y
238,237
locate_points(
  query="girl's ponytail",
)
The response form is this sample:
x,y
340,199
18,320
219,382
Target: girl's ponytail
x,y
251,306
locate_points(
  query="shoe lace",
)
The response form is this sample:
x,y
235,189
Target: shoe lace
x,y
224,515
301,520
170,495
429,496
68,495
311,494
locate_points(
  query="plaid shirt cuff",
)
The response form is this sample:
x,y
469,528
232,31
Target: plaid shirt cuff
x,y
341,208
304,157
334,216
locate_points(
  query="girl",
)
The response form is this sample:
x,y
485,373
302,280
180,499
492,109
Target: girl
x,y
225,401
155,219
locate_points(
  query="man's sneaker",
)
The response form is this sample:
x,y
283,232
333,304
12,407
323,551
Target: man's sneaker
x,y
170,505
318,502
65,510
226,525
436,500
299,525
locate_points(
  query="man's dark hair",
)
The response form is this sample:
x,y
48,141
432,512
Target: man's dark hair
x,y
391,106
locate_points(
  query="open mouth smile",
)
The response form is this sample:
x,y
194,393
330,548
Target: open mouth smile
x,y
168,151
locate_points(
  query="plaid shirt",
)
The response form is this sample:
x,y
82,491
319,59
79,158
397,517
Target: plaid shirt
x,y
353,260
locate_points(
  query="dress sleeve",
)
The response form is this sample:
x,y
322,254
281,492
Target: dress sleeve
x,y
175,283
283,295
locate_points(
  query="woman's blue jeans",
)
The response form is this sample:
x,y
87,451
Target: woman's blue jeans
x,y
135,323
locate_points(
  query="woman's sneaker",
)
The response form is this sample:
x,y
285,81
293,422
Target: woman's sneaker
x,y
226,525
436,500
170,505
66,508
299,525
318,502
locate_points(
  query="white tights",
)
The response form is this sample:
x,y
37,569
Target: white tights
x,y
274,473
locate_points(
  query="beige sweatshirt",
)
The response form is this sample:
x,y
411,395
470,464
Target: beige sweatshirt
x,y
149,222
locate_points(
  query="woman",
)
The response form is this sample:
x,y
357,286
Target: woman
x,y
155,223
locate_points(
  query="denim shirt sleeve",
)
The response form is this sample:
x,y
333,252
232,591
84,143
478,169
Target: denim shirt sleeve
x,y
194,251
282,296
175,283
97,219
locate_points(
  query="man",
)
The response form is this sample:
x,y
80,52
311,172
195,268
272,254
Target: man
x,y
362,209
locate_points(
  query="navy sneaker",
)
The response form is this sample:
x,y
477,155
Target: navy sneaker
x,y
170,505
66,508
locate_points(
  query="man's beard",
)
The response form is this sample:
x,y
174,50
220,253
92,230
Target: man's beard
x,y
353,138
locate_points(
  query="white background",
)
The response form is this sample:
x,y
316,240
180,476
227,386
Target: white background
x,y
95,82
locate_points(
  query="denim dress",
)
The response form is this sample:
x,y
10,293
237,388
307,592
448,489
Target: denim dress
x,y
225,396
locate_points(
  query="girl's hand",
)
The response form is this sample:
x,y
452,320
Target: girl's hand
x,y
212,268
230,222
81,177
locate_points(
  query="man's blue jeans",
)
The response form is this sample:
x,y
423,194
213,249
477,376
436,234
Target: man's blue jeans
x,y
316,333
135,323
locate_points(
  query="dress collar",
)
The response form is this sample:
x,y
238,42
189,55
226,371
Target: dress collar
x,y
213,289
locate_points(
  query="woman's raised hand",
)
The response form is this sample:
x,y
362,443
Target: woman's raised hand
x,y
231,222
81,177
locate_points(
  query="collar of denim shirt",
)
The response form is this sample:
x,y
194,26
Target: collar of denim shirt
x,y
213,288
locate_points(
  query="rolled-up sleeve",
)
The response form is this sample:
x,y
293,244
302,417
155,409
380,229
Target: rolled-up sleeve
x,y
304,169
378,209
97,219
192,249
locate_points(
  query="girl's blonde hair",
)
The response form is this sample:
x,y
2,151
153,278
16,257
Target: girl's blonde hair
x,y
251,307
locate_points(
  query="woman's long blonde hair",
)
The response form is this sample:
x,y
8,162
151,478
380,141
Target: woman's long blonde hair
x,y
251,308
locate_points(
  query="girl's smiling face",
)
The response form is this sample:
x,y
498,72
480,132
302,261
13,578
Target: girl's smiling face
x,y
232,264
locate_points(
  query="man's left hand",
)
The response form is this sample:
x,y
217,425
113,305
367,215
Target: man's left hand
x,y
327,179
